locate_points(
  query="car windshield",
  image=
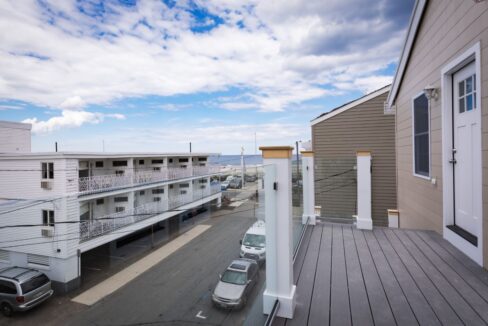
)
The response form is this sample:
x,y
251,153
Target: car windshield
x,y
34,283
234,277
254,240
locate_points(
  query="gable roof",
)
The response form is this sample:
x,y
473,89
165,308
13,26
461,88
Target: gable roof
x,y
413,27
350,105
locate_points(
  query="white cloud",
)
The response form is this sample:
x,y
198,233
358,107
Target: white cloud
x,y
65,59
69,119
5,107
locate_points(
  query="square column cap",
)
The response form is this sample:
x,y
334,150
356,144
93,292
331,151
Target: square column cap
x,y
276,151
307,153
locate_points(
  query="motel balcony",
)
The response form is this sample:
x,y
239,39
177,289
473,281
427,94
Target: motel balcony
x,y
172,205
124,178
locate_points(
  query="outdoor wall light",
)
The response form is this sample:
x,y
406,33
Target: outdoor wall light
x,y
431,92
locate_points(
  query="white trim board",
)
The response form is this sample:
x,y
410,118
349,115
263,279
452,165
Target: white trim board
x,y
474,252
351,105
407,49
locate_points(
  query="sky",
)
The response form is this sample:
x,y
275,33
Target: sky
x,y
127,75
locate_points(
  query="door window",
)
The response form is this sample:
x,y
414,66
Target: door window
x,y
421,130
467,94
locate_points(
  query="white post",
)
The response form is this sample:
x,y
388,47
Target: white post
x,y
279,237
364,220
308,188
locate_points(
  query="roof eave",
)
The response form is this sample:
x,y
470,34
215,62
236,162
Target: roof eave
x,y
413,26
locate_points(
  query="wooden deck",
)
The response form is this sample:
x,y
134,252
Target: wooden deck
x,y
346,276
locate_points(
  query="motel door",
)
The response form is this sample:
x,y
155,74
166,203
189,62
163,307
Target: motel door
x,y
466,152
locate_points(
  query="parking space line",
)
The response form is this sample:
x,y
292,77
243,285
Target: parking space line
x,y
112,284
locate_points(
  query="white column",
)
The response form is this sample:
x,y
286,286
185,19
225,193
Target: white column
x,y
364,220
279,238
308,188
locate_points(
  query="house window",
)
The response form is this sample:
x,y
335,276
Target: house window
x,y
100,201
119,163
157,161
157,199
47,169
141,162
183,160
119,173
121,199
119,209
183,192
184,185
421,137
99,164
157,169
158,191
170,160
47,217
142,193
202,159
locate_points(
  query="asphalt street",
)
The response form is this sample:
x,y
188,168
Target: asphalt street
x,y
178,290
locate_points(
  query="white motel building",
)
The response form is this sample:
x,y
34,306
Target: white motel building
x,y
55,206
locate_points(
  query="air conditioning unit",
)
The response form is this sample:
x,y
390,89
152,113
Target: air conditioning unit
x,y
46,185
47,232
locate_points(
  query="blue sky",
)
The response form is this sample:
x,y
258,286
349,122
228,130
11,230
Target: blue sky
x,y
155,75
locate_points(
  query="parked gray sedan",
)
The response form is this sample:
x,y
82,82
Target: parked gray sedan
x,y
235,284
22,289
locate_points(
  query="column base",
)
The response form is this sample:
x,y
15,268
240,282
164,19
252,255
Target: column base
x,y
363,223
287,303
311,221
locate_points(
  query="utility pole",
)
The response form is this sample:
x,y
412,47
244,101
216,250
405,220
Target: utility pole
x,y
242,165
56,146
190,147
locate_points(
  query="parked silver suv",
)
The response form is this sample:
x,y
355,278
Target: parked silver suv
x,y
22,289
236,283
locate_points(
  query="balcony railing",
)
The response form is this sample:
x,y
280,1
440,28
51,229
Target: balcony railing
x,y
112,222
93,184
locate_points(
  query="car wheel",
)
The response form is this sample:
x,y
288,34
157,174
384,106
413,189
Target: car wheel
x,y
7,310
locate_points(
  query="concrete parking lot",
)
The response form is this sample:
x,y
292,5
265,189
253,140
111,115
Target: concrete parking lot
x,y
176,291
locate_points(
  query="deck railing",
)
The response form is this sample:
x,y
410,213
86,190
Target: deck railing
x,y
109,223
99,183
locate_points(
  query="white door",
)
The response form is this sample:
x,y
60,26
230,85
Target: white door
x,y
466,150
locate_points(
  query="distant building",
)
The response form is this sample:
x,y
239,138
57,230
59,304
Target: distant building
x,y
75,202
336,137
440,96
15,137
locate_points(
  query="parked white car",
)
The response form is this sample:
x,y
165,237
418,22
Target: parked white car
x,y
253,243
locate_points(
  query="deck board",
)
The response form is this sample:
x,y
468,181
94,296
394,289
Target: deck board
x,y
358,297
319,307
346,276
380,307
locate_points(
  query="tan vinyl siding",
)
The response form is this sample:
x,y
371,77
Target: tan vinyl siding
x,y
448,28
364,127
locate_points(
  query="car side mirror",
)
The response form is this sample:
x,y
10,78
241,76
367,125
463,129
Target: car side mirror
x,y
240,241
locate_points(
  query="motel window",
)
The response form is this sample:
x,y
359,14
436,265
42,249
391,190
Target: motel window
x,y
421,141
47,169
99,164
47,217
119,163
